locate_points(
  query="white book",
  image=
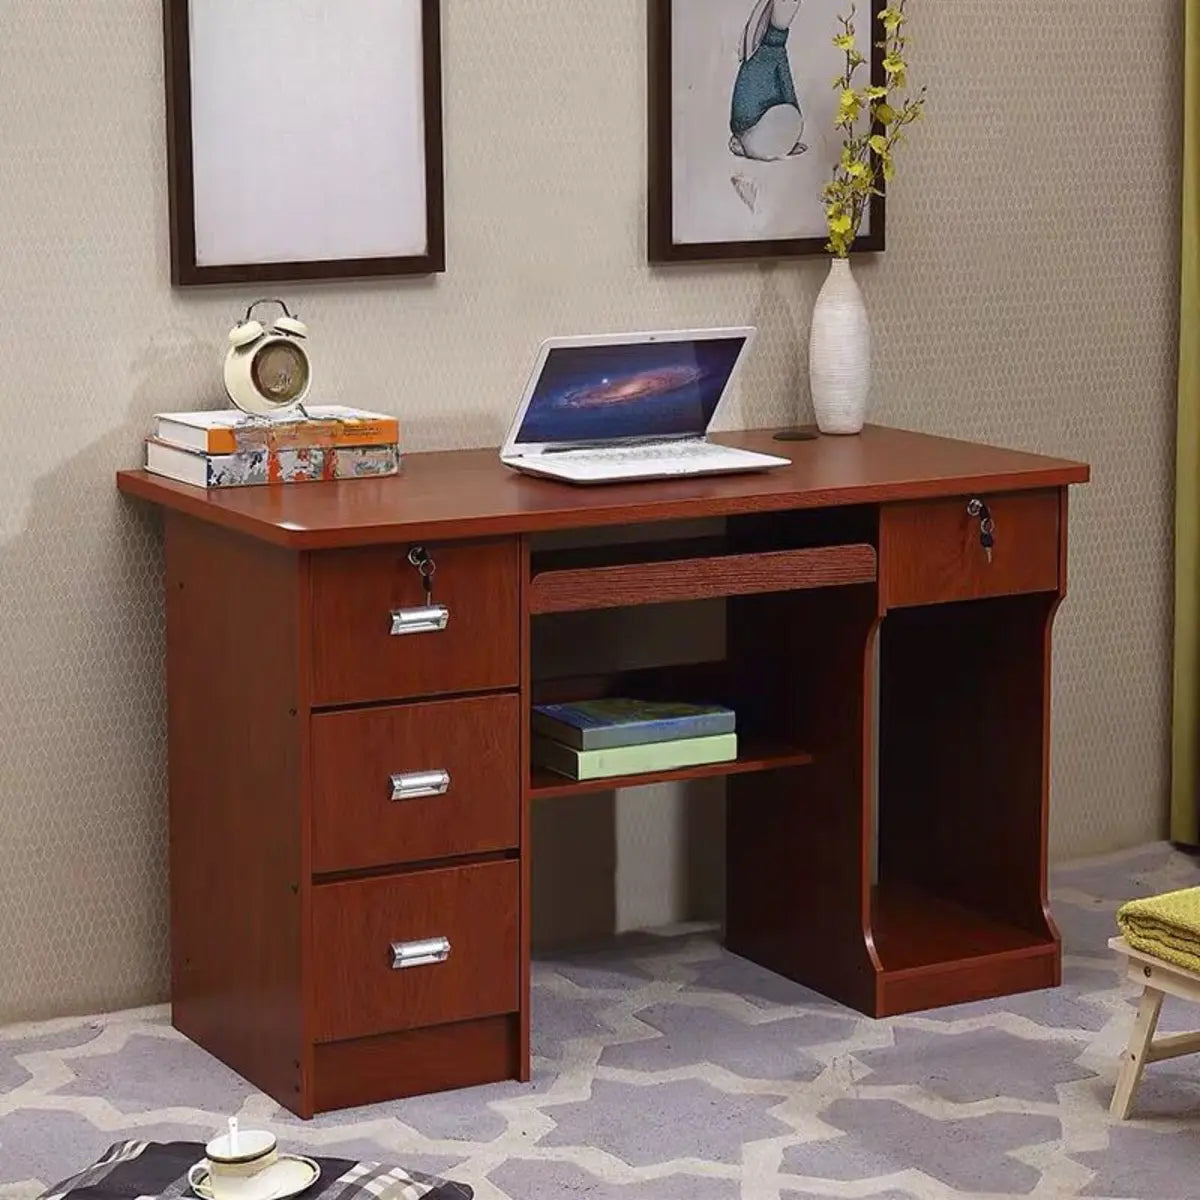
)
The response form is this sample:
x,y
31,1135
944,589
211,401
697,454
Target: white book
x,y
247,468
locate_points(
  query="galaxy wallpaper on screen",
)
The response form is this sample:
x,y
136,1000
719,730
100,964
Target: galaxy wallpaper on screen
x,y
655,389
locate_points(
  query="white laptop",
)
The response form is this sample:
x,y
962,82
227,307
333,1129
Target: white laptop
x,y
630,406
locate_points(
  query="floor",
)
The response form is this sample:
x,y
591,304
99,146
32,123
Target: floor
x,y
667,1069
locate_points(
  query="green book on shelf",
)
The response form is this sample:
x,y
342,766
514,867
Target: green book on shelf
x,y
633,760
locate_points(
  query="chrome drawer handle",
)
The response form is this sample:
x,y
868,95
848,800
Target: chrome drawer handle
x,y
432,618
416,784
420,954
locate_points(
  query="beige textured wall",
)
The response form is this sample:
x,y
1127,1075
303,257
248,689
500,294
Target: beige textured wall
x,y
1027,298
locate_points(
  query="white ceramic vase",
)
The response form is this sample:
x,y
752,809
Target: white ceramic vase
x,y
839,353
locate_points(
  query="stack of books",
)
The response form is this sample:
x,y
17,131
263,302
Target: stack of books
x,y
600,739
229,449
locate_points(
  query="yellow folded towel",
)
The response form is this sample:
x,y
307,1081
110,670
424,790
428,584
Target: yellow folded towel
x,y
1167,926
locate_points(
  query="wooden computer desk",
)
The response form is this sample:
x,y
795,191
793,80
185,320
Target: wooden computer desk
x,y
343,791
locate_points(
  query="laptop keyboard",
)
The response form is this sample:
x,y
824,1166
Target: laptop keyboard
x,y
651,452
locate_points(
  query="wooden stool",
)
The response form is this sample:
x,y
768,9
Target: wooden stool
x,y
1157,979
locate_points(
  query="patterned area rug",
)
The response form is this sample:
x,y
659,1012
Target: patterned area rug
x,y
667,1069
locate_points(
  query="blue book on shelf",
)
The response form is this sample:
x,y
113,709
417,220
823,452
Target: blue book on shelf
x,y
615,721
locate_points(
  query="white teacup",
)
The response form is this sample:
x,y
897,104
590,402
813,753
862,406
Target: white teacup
x,y
233,1164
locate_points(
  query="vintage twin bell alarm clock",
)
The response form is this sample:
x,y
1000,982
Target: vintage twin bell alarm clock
x,y
267,368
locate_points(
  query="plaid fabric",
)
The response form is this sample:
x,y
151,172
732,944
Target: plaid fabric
x,y
158,1171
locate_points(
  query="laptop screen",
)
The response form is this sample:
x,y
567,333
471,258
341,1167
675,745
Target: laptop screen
x,y
639,390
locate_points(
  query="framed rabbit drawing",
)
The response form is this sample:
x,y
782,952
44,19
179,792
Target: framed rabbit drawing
x,y
742,135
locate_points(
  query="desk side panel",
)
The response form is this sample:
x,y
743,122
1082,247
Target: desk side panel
x,y
235,715
798,840
524,1055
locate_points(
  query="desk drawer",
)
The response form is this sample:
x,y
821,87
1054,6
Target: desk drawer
x,y
365,646
930,552
356,925
414,782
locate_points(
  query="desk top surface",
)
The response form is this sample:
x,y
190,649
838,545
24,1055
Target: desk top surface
x,y
469,493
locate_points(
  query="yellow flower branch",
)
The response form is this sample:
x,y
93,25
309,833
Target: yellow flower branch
x,y
867,153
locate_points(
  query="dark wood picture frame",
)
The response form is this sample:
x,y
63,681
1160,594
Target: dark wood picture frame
x,y
662,246
185,271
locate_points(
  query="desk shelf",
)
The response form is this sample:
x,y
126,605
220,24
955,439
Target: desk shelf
x,y
914,930
929,946
756,755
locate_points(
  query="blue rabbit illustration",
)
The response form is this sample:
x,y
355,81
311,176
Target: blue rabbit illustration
x,y
766,119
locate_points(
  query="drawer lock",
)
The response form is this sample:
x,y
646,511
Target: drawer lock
x,y
416,784
425,953
978,510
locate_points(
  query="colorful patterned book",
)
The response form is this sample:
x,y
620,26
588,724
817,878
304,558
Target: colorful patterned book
x,y
248,468
616,721
633,760
227,431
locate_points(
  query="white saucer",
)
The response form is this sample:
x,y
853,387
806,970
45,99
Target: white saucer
x,y
289,1176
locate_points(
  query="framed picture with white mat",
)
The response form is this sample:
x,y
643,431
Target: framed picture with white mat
x,y
742,125
304,139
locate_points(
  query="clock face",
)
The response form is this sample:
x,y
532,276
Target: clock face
x,y
280,372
